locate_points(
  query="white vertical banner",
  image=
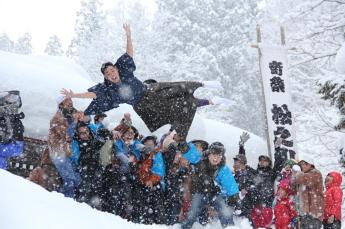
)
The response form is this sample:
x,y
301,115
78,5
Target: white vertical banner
x,y
276,83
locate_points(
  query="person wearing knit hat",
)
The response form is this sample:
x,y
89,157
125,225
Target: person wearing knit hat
x,y
284,211
60,99
212,185
61,132
310,192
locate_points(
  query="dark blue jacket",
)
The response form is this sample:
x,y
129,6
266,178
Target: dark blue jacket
x,y
109,95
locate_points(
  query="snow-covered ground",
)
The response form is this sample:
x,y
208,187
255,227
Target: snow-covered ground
x,y
27,205
39,79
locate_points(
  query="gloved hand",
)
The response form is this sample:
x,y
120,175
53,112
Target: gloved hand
x,y
244,138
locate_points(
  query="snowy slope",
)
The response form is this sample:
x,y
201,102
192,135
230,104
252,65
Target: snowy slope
x,y
27,205
40,78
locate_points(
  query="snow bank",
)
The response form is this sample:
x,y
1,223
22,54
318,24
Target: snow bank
x,y
27,205
40,79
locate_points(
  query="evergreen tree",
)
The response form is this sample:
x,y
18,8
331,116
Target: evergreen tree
x,y
23,45
88,47
5,43
53,46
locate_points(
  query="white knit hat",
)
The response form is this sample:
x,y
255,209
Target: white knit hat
x,y
60,99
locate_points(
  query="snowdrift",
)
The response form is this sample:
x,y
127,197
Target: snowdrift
x,y
27,205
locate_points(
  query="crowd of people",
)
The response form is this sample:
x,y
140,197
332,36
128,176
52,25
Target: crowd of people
x,y
153,181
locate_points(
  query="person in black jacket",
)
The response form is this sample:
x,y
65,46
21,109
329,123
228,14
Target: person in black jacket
x,y
89,166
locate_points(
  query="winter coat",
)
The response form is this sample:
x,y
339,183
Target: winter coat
x,y
110,95
284,213
57,138
246,180
262,217
89,155
310,192
10,150
264,182
213,180
333,197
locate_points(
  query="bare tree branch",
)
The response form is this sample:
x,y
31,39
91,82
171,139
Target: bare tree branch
x,y
337,1
314,58
311,8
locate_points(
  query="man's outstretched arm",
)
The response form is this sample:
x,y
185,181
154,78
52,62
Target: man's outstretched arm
x,y
129,48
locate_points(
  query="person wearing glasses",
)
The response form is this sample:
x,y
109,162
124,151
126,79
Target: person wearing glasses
x,y
157,103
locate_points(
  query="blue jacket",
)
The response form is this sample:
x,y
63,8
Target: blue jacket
x,y
109,95
95,127
226,181
10,150
158,166
123,152
193,156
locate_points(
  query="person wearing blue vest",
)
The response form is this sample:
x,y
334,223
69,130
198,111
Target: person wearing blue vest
x,y
127,147
213,184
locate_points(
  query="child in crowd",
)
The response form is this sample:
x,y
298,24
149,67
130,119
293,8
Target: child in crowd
x,y
285,214
333,199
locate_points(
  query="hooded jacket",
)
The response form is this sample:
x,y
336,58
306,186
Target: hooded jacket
x,y
333,197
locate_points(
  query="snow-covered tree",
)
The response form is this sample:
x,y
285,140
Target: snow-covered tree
x,y
23,44
6,44
204,40
54,47
88,46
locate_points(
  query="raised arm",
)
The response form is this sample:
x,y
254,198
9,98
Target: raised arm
x,y
129,48
83,95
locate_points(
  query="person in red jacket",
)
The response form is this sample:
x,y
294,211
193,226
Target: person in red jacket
x,y
284,211
333,198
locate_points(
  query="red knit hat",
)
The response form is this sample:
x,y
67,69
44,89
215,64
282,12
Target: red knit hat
x,y
285,185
